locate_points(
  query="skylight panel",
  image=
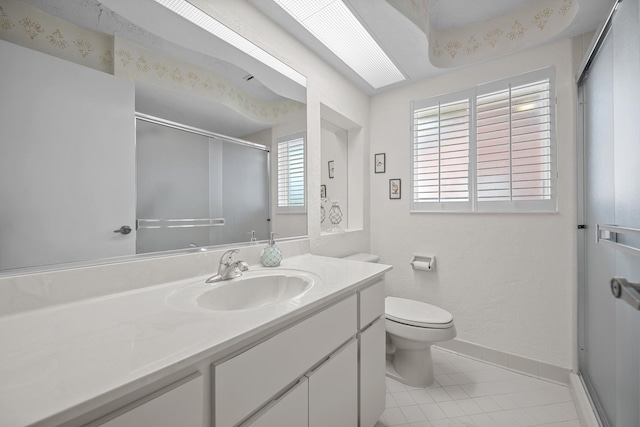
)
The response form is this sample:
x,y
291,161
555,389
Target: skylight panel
x,y
209,24
333,24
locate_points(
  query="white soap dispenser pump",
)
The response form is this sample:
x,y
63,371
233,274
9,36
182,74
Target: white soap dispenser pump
x,y
271,255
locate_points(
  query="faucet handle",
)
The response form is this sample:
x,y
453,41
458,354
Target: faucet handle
x,y
228,255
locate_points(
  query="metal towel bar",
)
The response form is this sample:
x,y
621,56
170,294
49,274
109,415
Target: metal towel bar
x,y
608,235
179,223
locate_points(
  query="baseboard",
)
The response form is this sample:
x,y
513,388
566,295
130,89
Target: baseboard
x,y
512,362
584,407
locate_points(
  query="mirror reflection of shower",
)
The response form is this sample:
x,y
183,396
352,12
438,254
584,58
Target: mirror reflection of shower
x,y
197,189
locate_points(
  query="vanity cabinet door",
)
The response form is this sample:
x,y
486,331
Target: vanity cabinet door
x,y
372,373
333,390
289,410
249,380
179,406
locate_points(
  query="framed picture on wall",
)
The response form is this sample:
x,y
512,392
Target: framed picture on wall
x,y
323,191
331,169
380,162
395,188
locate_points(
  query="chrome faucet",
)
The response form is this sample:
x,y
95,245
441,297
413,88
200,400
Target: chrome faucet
x,y
227,269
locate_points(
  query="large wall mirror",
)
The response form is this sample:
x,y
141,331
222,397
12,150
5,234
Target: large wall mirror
x,y
178,151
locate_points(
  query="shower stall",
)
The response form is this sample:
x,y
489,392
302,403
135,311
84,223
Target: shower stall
x,y
196,188
609,219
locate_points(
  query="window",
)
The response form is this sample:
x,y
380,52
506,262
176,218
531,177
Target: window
x,y
441,142
486,149
291,173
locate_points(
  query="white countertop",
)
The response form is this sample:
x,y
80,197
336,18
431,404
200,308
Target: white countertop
x,y
64,358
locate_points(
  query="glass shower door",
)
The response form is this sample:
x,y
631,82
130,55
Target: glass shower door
x,y
610,328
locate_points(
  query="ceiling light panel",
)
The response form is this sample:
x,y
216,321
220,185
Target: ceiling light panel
x,y
333,24
301,10
207,23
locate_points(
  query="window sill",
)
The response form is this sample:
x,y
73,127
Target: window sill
x,y
346,230
291,213
486,212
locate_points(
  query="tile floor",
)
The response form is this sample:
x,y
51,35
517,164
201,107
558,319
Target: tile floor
x,y
472,393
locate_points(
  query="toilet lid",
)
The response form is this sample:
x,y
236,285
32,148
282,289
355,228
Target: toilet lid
x,y
417,313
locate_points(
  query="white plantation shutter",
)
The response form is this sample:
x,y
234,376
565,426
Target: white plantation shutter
x,y
515,167
291,174
440,157
488,149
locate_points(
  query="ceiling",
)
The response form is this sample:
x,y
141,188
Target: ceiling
x,y
452,14
407,44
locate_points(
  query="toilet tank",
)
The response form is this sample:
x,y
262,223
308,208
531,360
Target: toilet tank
x,y
363,257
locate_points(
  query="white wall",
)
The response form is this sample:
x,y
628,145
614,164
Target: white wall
x,y
508,279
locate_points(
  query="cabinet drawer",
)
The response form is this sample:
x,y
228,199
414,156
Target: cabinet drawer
x,y
251,379
289,410
371,303
177,405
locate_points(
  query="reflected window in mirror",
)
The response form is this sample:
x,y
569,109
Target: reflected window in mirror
x,y
291,173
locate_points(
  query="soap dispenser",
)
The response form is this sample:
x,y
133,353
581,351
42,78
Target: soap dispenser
x,y
271,255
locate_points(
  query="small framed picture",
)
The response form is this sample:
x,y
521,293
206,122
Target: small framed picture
x,y
395,188
380,162
331,169
323,191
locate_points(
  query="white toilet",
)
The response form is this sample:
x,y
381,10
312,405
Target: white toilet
x,y
412,327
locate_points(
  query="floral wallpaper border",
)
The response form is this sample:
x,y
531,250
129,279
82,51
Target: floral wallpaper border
x,y
27,26
137,63
521,29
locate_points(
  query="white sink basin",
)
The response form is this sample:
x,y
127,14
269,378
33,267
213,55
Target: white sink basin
x,y
255,289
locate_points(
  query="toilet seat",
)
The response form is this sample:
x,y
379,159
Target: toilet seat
x,y
417,313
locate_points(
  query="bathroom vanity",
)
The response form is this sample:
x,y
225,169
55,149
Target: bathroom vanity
x,y
159,356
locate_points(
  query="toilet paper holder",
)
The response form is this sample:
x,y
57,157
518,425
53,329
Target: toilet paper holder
x,y
423,262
